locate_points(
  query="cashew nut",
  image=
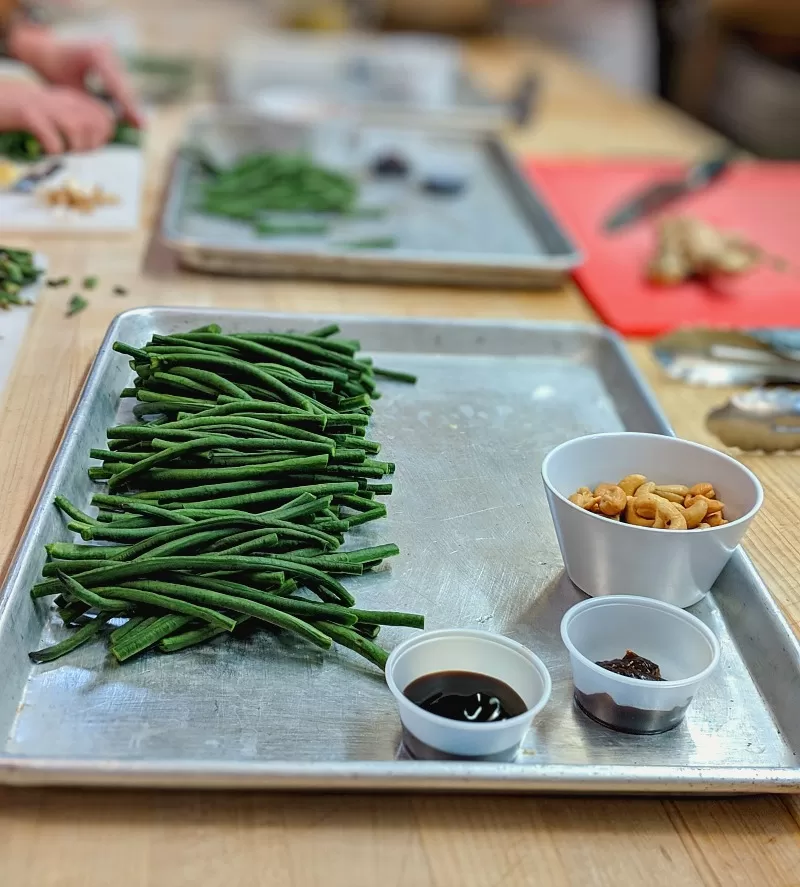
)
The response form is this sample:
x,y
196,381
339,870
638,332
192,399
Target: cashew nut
x,y
601,488
612,501
672,492
714,505
583,498
631,482
647,505
633,517
669,517
694,515
680,489
643,503
704,489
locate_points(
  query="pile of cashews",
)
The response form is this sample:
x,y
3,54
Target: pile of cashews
x,y
644,503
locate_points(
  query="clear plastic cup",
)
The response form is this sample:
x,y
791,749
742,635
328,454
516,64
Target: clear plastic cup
x,y
603,556
428,735
604,628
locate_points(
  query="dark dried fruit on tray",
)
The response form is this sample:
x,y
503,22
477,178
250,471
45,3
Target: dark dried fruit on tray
x,y
444,184
633,666
390,165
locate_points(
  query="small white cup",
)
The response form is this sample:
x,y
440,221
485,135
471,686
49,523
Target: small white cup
x,y
602,556
604,628
427,735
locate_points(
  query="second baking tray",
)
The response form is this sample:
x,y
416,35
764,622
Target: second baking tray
x,y
478,551
395,77
496,232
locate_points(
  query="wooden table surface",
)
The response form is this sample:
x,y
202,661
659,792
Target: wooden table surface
x,y
66,837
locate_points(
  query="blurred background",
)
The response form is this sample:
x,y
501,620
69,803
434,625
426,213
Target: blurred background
x,y
734,64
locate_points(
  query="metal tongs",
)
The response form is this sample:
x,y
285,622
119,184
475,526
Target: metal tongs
x,y
760,419
715,358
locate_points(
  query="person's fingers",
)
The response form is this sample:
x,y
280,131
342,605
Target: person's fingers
x,y
105,63
37,120
69,117
96,119
102,123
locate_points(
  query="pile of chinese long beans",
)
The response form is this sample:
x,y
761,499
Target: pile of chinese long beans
x,y
275,181
227,503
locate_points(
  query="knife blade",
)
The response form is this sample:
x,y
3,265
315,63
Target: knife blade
x,y
660,194
38,174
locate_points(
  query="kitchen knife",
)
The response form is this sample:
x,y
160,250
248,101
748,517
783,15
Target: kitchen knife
x,y
35,176
660,194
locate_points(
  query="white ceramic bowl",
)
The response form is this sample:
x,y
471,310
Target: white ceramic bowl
x,y
602,556
685,650
433,736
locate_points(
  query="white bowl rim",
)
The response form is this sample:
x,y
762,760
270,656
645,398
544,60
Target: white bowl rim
x,y
641,434
653,604
479,637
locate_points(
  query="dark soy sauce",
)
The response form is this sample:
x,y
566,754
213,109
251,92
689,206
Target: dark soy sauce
x,y
465,696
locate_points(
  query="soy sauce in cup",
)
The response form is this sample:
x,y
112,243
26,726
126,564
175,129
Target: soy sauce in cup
x,y
462,662
465,696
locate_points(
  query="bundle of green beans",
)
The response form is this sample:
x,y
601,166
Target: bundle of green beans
x,y
260,183
227,503
24,147
17,270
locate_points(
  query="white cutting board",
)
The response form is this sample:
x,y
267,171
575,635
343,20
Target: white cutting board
x,y
118,169
13,324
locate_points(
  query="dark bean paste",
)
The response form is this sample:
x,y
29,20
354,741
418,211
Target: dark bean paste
x,y
633,666
465,696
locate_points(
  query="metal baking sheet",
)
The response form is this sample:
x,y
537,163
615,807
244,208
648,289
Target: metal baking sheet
x,y
479,550
497,232
395,78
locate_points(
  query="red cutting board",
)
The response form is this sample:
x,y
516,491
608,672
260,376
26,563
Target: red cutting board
x,y
758,200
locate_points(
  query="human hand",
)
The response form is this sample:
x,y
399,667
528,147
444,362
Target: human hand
x,y
69,64
61,118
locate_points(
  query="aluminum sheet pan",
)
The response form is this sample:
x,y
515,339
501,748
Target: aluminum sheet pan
x,y
497,232
396,77
479,550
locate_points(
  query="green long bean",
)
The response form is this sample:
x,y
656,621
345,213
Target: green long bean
x,y
149,598
202,596
142,638
252,464
81,636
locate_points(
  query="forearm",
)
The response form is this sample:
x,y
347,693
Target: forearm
x,y
23,38
19,27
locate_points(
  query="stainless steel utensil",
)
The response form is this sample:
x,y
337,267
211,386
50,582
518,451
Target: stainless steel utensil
x,y
728,357
522,104
760,419
661,194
